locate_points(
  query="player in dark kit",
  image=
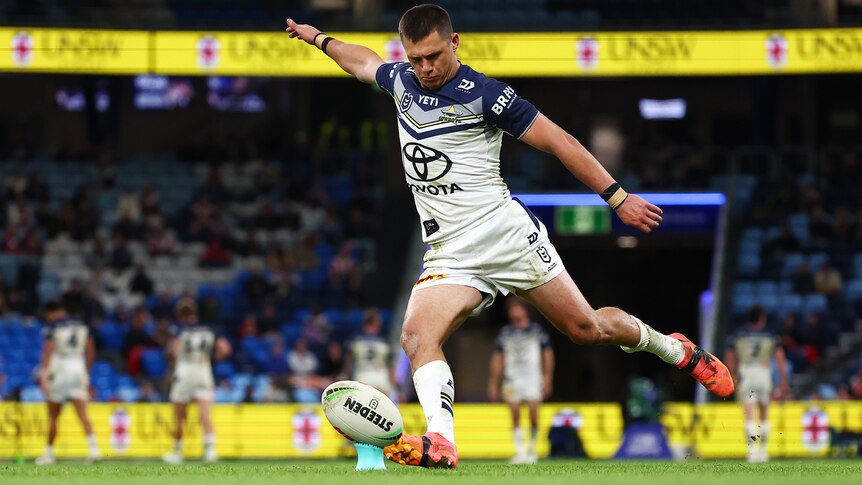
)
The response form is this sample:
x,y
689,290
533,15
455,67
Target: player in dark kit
x,y
481,241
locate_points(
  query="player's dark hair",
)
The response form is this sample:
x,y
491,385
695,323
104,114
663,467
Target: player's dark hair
x,y
419,21
755,313
52,306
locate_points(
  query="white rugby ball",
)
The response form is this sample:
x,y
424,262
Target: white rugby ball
x,y
362,413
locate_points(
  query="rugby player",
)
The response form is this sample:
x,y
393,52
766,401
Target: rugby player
x,y
451,121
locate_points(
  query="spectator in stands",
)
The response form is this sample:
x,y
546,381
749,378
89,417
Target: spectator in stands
x,y
812,338
121,257
129,205
141,283
344,271
136,340
19,214
129,229
150,202
306,257
820,227
210,310
215,255
303,366
4,305
64,220
73,298
267,217
248,327
98,256
162,332
802,280
317,328
332,368
162,242
257,287
164,307
268,322
828,281
855,385
250,245
36,189
46,220
149,393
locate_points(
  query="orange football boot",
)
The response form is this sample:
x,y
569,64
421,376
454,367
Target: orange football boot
x,y
428,451
705,368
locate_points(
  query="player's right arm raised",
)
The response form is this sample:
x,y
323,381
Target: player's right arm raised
x,y
357,60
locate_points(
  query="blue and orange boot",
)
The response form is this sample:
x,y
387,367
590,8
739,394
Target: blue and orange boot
x,y
428,451
705,368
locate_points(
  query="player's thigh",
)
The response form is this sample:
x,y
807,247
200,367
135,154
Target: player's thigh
x,y
433,313
562,302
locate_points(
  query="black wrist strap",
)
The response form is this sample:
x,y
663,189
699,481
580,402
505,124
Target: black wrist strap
x,y
314,40
325,42
610,191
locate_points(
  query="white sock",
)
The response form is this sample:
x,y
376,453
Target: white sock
x,y
209,441
49,450
751,436
92,444
534,433
518,436
436,391
667,349
178,447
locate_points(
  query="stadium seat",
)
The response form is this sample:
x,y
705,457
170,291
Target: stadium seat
x,y
153,362
815,303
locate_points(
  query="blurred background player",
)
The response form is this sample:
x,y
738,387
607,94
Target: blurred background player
x,y
524,359
192,379
749,356
67,355
369,355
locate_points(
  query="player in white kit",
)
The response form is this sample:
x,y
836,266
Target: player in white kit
x,y
451,121
524,362
64,375
369,357
192,379
749,355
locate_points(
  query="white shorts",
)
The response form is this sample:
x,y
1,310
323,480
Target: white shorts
x,y
376,379
522,390
192,383
68,380
755,384
509,252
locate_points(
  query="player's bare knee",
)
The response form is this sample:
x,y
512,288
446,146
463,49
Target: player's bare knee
x,y
409,341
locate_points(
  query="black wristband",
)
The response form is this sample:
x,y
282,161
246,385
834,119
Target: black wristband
x,y
610,191
314,40
324,43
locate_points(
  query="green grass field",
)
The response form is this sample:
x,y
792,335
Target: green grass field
x,y
691,472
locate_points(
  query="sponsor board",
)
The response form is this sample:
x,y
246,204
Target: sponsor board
x,y
799,429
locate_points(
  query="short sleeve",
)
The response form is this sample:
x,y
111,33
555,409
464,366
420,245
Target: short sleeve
x,y
47,332
386,75
506,110
730,342
498,344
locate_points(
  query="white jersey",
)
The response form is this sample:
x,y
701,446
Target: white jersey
x,y
69,337
196,345
371,357
522,352
450,145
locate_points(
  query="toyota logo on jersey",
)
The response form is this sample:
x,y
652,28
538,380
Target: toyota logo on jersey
x,y
428,164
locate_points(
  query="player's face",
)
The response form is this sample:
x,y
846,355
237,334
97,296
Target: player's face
x,y
433,58
518,316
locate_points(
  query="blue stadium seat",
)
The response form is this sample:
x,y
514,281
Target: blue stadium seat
x,y
224,370
748,264
815,303
741,303
853,289
32,394
789,303
153,362
766,287
816,260
128,394
792,262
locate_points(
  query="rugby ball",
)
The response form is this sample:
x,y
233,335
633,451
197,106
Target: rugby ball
x,y
362,413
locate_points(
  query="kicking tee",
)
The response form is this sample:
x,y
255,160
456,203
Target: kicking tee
x,y
450,144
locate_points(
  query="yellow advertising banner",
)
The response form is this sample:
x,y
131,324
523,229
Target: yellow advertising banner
x,y
568,54
799,429
75,51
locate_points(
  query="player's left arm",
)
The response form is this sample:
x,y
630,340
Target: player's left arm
x,y
783,380
47,350
547,136
222,349
90,353
548,363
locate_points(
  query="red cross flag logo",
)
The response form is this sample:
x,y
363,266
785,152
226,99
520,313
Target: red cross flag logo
x,y
815,430
587,53
776,51
22,49
394,50
121,430
208,52
306,431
